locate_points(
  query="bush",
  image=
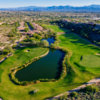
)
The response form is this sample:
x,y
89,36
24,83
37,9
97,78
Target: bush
x,y
53,45
73,94
7,50
44,43
62,98
33,92
26,29
37,36
89,89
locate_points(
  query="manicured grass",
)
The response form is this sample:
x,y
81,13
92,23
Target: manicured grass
x,y
1,71
55,28
21,57
10,91
76,74
81,48
90,61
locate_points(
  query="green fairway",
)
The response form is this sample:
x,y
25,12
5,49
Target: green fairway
x,y
55,28
90,61
1,71
77,72
80,48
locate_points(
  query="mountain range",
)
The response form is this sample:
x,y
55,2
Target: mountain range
x,y
91,8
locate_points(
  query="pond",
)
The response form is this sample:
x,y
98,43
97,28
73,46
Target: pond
x,y
50,40
45,68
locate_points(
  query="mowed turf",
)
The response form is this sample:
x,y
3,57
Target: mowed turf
x,y
76,74
1,71
84,55
55,28
90,61
21,57
11,91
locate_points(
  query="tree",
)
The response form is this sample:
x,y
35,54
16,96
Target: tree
x,y
44,43
26,29
37,36
73,94
7,50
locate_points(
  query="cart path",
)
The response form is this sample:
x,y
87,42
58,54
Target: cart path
x,y
93,81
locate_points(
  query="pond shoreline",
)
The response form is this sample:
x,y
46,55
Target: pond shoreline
x,y
13,71
61,75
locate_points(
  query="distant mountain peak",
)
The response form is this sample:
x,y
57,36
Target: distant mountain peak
x,y
67,8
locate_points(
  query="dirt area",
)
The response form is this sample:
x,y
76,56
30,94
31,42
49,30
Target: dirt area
x,y
1,23
21,27
98,54
60,33
4,39
37,27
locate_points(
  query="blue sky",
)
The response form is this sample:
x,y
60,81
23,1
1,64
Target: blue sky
x,y
22,3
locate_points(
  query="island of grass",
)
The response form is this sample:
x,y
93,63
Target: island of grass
x,y
77,50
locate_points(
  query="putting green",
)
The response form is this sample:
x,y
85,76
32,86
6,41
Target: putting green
x,y
90,61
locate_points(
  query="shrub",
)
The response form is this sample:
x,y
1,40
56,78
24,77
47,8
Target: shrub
x,y
44,43
62,98
33,92
37,36
73,94
26,29
31,25
52,45
7,50
89,89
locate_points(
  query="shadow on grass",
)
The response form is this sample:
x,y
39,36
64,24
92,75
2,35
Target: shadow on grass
x,y
74,39
12,79
1,71
83,69
70,74
1,98
30,47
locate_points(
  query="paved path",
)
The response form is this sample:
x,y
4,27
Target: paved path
x,y
93,81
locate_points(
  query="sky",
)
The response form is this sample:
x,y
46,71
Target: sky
x,y
22,3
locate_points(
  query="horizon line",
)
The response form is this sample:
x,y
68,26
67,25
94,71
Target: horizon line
x,y
48,6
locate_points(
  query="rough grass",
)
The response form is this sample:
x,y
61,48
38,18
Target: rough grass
x,y
76,74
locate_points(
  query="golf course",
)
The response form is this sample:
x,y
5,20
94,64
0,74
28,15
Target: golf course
x,y
82,60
